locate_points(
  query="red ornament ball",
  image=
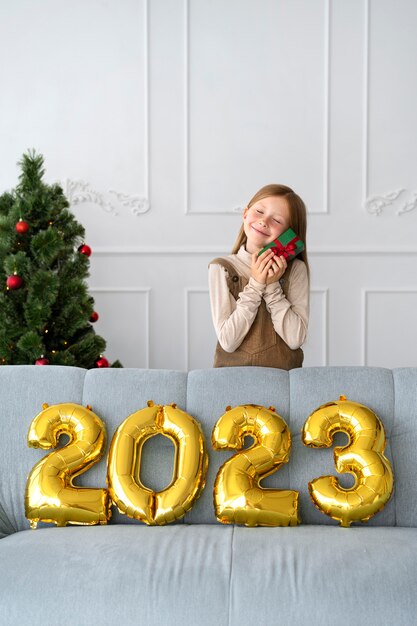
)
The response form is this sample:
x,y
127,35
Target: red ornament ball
x,y
102,362
94,317
42,361
84,249
14,282
22,227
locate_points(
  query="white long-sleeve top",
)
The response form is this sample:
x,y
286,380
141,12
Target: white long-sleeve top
x,y
233,318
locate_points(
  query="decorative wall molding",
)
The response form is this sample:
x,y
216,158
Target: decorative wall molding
x,y
133,290
409,205
146,124
188,292
324,293
214,251
79,192
326,118
365,106
364,321
375,205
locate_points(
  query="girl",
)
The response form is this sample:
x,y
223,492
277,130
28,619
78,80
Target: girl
x,y
260,304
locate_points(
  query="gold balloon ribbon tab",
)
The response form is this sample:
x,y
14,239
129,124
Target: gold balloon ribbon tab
x,y
238,498
363,457
50,495
190,465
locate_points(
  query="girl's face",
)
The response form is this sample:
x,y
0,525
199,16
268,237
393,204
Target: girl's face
x,y
264,221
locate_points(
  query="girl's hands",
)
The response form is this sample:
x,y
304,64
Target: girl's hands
x,y
267,268
277,270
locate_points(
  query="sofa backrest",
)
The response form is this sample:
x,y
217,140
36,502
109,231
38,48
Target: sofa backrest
x,y
116,393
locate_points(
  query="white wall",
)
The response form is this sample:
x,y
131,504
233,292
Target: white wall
x,y
163,117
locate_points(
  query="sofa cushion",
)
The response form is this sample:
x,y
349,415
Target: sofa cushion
x,y
312,387
404,446
23,390
116,574
209,392
205,575
114,394
324,575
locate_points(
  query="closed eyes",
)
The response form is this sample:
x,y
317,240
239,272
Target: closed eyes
x,y
277,221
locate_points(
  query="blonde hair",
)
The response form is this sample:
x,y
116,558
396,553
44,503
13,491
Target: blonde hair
x,y
298,215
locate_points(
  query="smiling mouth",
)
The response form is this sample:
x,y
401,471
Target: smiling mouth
x,y
260,232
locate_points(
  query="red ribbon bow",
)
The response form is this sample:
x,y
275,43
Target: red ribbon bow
x,y
286,251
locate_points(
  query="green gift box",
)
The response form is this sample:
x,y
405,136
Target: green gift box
x,y
287,245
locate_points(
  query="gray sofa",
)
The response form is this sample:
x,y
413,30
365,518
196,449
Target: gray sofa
x,y
198,571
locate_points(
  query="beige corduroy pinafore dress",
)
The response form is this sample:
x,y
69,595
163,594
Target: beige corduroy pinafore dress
x,y
262,346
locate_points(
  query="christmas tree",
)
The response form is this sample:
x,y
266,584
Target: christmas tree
x,y
46,313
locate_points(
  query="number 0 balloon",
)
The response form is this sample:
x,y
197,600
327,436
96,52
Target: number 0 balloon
x,y
126,490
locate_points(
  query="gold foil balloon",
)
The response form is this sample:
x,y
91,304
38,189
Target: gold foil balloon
x,y
363,457
238,498
50,495
190,465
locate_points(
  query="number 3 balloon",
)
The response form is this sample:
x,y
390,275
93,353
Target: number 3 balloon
x,y
363,457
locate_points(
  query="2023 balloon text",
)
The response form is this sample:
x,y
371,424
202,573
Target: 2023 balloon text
x,y
238,497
